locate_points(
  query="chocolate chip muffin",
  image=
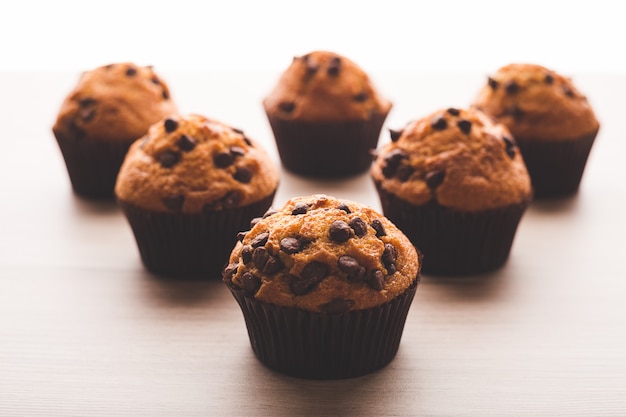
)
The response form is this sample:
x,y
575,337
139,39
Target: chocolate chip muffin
x,y
551,120
326,116
109,108
456,184
325,286
187,188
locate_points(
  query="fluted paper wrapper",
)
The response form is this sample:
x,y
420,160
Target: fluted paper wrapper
x,y
327,150
454,242
322,345
556,166
93,166
190,245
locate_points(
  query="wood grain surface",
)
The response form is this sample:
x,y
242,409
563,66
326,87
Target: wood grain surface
x,y
86,331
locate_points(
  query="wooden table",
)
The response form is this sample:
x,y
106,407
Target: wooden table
x,y
86,331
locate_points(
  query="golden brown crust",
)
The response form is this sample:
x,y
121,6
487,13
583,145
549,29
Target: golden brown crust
x,y
536,103
457,157
190,163
322,86
313,255
116,102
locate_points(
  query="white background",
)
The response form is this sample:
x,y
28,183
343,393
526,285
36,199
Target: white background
x,y
480,35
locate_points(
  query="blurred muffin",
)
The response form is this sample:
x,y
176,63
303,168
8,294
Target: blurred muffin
x,y
455,183
551,120
326,116
324,286
187,188
109,108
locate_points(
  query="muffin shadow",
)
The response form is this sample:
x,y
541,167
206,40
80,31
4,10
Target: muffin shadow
x,y
167,291
478,287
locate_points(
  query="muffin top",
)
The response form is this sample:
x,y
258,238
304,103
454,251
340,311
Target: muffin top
x,y
458,158
116,102
324,86
193,163
322,254
536,103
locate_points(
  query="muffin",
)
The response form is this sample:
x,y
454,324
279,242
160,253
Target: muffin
x,y
551,120
109,108
455,183
326,116
187,188
325,286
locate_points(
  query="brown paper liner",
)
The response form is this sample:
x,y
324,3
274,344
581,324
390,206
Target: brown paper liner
x,y
321,345
454,242
327,150
190,245
93,166
556,166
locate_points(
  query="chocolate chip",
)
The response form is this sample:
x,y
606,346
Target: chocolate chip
x,y
376,279
344,207
395,134
243,175
568,91
223,159
348,264
404,172
270,212
392,160
229,271
548,79
492,83
389,258
246,254
453,111
300,208
439,123
312,274
378,226
87,110
241,236
248,142
315,270
168,158
511,87
464,125
185,143
287,106
155,80
130,71
360,98
311,67
170,125
260,255
174,202
334,67
165,94
340,231
251,283
236,130
434,178
291,245
272,266
236,151
509,146
254,221
260,239
337,306
359,226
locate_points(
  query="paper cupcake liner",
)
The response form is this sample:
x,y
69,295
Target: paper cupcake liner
x,y
454,242
93,166
324,346
190,245
327,150
556,166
